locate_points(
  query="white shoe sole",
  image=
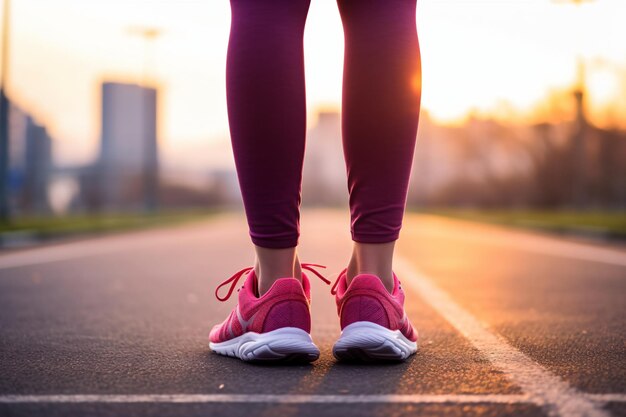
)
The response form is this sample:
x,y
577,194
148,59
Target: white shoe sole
x,y
370,342
288,344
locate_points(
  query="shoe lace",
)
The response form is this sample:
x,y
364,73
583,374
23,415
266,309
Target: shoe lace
x,y
235,278
333,289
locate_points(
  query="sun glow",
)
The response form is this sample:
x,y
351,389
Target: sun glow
x,y
496,57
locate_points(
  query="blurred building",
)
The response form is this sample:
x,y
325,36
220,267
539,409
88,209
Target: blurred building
x,y
30,164
434,161
127,167
225,186
324,172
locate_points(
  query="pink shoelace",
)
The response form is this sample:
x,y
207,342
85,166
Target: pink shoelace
x,y
235,278
333,289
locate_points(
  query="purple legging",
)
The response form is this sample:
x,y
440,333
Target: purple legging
x,y
267,113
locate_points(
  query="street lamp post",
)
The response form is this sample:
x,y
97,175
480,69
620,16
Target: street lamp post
x,y
150,169
4,118
149,34
579,173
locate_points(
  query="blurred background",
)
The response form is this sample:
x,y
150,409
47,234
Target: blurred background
x,y
113,114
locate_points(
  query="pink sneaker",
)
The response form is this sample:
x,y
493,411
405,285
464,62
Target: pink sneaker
x,y
273,327
374,325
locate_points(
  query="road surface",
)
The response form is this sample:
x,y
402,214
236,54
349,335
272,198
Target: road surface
x,y
511,323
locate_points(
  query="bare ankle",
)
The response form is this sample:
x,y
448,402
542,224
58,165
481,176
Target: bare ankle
x,y
273,264
372,258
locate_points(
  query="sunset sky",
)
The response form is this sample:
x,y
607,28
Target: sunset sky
x,y
487,55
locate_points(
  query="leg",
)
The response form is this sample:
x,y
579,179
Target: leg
x,y
372,258
380,111
272,264
267,117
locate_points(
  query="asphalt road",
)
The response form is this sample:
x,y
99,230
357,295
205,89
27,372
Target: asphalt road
x,y
511,323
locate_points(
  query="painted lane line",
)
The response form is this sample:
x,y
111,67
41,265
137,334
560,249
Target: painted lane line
x,y
541,245
60,253
607,398
544,387
106,245
267,398
293,399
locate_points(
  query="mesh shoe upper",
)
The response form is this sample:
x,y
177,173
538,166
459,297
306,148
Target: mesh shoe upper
x,y
285,304
367,299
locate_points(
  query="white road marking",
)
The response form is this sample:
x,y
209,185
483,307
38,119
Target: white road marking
x,y
543,387
64,252
190,234
518,239
607,398
293,399
266,398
